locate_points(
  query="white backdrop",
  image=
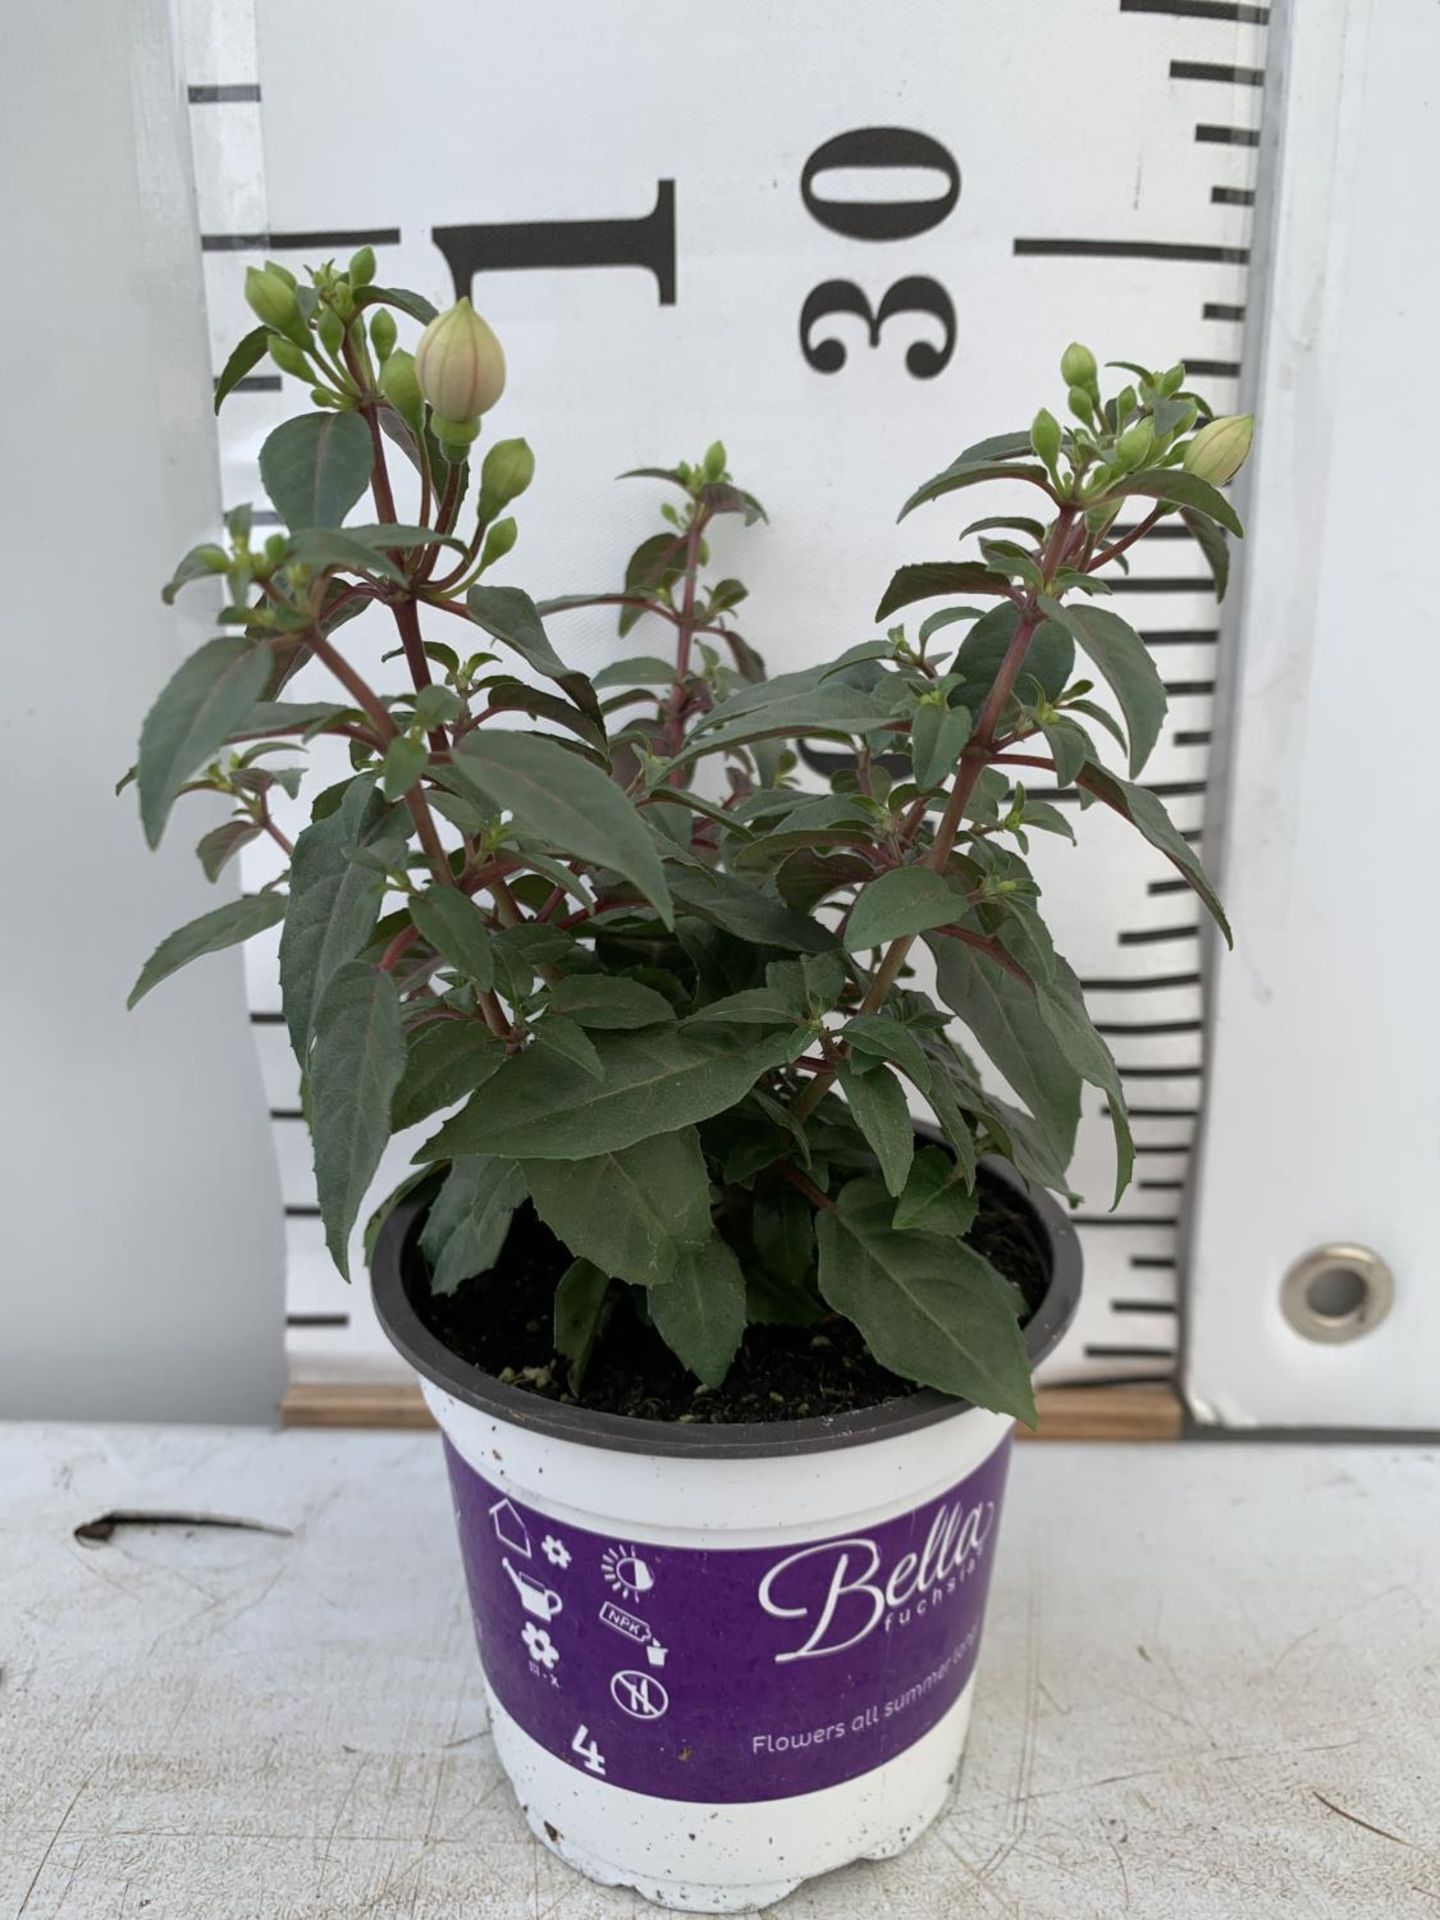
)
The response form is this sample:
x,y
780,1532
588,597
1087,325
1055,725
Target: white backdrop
x,y
1105,154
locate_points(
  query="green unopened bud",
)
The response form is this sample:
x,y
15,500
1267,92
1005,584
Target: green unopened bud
x,y
1045,437
460,365
401,388
270,300
282,273
275,547
498,542
362,267
1219,450
1132,449
323,397
342,300
383,334
1081,405
1172,379
1077,366
508,470
715,460
213,559
289,358
455,433
331,329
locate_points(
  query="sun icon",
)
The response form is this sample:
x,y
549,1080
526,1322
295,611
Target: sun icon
x,y
626,1572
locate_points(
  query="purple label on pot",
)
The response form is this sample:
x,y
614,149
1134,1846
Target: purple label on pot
x,y
728,1674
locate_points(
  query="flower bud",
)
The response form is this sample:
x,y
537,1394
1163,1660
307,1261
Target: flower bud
x,y
282,273
1045,436
508,470
1133,447
270,300
1077,366
275,548
213,559
1081,405
362,267
401,388
454,436
1218,451
715,460
460,364
383,334
331,329
289,358
498,542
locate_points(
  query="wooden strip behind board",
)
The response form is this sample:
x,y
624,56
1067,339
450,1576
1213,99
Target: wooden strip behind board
x,y
1143,1411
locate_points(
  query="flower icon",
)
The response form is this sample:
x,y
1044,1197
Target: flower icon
x,y
541,1648
555,1551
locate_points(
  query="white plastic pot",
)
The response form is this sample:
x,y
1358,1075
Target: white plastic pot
x,y
720,1660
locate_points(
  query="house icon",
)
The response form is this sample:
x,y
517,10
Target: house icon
x,y
510,1529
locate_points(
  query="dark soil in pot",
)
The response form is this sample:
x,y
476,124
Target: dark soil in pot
x,y
504,1327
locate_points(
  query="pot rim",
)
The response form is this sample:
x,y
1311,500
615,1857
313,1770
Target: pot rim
x,y
742,1440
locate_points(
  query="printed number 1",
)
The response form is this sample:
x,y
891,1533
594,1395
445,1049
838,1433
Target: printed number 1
x,y
511,246
588,1750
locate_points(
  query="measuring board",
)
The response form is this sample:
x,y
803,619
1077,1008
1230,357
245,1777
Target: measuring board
x,y
684,234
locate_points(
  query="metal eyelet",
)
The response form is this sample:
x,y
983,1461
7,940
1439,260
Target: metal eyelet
x,y
1337,1292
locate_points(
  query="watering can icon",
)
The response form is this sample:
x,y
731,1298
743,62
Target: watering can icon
x,y
543,1602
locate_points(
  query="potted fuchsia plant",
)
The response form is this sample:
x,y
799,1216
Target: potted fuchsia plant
x,y
725,1343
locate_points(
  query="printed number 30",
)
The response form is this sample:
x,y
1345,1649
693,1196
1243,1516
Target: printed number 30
x,y
880,220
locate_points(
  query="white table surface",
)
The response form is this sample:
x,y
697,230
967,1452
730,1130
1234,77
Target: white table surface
x,y
1210,1690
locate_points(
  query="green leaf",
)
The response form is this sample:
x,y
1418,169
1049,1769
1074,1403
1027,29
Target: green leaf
x,y
1032,529
631,1212
387,1206
415,304
334,901
1062,1008
563,799
937,736
405,760
1049,658
454,926
700,1313
447,1060
316,467
598,1000
222,843
1213,545
1146,813
905,900
286,716
882,1038
510,616
928,579
580,1303
970,472
743,910
327,547
195,566
222,927
562,1036
643,671
358,1058
782,1224
931,1309
469,1219
1181,489
194,716
1124,661
936,1198
539,1106
248,353
832,706
877,1101
1001,1012
1069,746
